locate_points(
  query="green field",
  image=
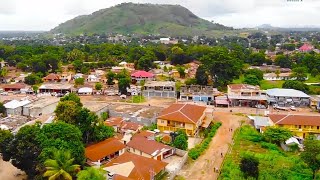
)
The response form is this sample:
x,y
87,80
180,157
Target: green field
x,y
274,163
264,84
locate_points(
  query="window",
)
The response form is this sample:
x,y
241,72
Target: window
x,y
318,127
140,153
299,126
305,126
162,121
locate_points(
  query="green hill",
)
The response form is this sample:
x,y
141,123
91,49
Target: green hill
x,y
130,18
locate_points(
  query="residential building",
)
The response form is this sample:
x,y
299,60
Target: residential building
x,y
198,93
52,78
85,91
93,78
260,122
160,89
139,76
306,48
65,77
114,122
187,117
14,87
42,106
104,151
15,107
315,101
132,127
271,68
279,77
56,87
300,125
287,97
131,166
246,95
149,148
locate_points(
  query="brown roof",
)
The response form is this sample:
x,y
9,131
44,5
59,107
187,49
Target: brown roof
x,y
304,120
14,86
52,76
113,121
131,126
150,147
242,86
102,149
142,166
145,134
187,113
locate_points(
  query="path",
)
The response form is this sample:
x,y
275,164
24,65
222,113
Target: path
x,y
203,168
8,171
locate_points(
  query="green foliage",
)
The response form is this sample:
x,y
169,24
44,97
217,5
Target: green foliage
x,y
79,81
283,61
152,127
314,72
256,72
181,71
195,152
67,111
311,154
32,79
91,173
298,85
191,81
102,132
2,108
181,141
110,77
104,116
98,86
300,73
72,97
123,81
5,138
257,59
252,80
60,166
277,134
201,76
249,165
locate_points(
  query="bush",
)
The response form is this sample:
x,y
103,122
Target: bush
x,y
269,146
195,152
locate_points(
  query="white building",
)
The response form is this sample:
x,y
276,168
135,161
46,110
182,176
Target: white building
x,y
40,107
92,78
85,91
15,107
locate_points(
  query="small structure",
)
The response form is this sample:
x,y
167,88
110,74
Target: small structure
x,y
65,77
15,107
78,75
271,68
56,87
132,166
93,78
198,93
85,91
246,95
306,48
142,146
114,122
139,76
131,127
187,117
104,151
40,107
287,97
278,77
52,78
315,101
14,87
260,122
160,89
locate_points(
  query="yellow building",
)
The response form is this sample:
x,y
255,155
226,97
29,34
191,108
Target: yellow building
x,y
188,117
300,125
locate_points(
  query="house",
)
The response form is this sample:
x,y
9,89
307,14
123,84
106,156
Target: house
x,y
246,95
260,122
65,77
271,68
56,87
280,76
149,148
52,78
146,134
160,89
78,75
300,125
14,87
198,93
114,122
126,65
93,78
306,48
130,166
40,107
139,76
187,117
15,107
132,127
85,91
315,101
287,97
104,151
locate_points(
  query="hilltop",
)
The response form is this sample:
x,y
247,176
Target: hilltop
x,y
130,18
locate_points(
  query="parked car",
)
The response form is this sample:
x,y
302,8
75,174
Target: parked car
x,y
4,93
260,106
293,108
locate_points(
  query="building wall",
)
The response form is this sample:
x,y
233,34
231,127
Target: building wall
x,y
140,153
302,131
34,112
16,111
190,129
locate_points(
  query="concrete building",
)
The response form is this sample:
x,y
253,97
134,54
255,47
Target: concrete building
x,y
287,97
139,76
246,95
40,107
160,89
85,91
52,78
198,93
55,87
279,77
15,107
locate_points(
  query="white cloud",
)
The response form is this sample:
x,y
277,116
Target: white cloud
x,y
46,14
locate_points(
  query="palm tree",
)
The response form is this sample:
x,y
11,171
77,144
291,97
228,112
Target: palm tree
x,y
61,166
91,173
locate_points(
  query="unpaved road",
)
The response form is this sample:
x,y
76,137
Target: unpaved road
x,y
203,168
8,171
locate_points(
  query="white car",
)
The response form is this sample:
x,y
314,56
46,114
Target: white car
x,y
293,108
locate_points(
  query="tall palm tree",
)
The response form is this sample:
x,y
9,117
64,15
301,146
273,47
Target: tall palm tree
x,y
61,166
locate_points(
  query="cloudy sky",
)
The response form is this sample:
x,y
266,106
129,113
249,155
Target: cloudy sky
x,y
46,14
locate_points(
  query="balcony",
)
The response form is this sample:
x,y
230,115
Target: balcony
x,y
309,130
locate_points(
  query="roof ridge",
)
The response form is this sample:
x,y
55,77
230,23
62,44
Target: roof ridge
x,y
172,111
283,118
184,114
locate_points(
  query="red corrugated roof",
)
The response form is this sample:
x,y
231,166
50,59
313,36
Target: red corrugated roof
x,y
142,74
306,47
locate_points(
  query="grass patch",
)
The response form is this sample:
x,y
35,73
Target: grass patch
x,y
134,99
264,84
312,79
195,152
273,162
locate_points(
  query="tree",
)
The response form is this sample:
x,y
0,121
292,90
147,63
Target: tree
x,y
191,81
314,72
61,166
181,140
102,132
181,71
311,154
67,111
146,61
277,134
251,79
72,97
298,85
35,88
201,76
32,79
91,173
98,86
2,108
110,77
79,81
77,65
257,59
283,61
178,56
300,73
123,84
257,72
5,139
249,165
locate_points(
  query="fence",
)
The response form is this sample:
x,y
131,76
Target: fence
x,y
184,157
141,120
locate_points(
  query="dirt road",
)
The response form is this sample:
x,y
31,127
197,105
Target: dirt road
x,y
8,171
203,168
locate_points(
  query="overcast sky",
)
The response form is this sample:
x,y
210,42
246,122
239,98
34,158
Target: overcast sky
x,y
46,14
